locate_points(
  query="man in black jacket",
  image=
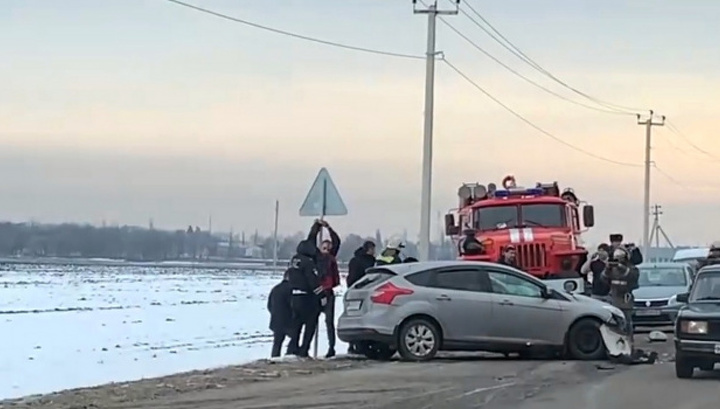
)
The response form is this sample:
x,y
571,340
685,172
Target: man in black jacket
x,y
306,297
280,308
364,258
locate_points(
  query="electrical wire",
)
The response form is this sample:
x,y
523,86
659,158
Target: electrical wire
x,y
533,125
513,49
549,91
674,129
295,35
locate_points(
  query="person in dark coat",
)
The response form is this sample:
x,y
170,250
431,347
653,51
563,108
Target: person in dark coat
x,y
329,275
306,299
363,259
278,304
509,256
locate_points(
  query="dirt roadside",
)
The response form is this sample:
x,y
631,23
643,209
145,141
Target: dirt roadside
x,y
465,380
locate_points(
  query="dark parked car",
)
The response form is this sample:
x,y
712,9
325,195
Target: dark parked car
x,y
697,329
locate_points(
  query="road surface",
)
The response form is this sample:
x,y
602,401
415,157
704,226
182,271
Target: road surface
x,y
458,382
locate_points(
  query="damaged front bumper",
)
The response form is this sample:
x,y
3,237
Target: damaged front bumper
x,y
617,340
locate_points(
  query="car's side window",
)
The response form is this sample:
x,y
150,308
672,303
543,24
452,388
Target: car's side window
x,y
422,278
461,279
504,283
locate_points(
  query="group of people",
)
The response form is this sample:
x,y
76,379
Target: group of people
x,y
308,288
612,275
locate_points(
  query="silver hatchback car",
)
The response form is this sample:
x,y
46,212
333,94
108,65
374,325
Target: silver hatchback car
x,y
418,309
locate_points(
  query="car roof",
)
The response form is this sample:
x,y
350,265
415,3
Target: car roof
x,y
712,268
403,269
701,252
667,264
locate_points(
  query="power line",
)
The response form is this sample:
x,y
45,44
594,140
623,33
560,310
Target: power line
x,y
549,91
677,132
295,35
530,123
512,48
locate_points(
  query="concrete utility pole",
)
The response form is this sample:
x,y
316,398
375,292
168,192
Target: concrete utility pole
x,y
648,123
657,230
426,195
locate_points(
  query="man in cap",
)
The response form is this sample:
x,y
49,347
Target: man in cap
x,y
509,256
616,241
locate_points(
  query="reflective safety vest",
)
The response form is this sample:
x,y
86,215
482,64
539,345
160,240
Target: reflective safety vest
x,y
386,260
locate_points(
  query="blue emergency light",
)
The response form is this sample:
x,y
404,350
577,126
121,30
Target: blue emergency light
x,y
519,192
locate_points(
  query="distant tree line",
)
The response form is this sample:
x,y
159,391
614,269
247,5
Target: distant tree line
x,y
148,244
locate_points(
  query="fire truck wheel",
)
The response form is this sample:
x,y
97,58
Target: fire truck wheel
x,y
584,341
419,340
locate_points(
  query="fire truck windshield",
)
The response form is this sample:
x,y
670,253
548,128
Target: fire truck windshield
x,y
512,216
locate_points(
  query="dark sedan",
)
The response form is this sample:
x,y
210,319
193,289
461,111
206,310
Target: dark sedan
x,y
697,328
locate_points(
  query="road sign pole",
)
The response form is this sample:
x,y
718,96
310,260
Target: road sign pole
x,y
322,200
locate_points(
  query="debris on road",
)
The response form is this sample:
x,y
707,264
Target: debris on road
x,y
657,336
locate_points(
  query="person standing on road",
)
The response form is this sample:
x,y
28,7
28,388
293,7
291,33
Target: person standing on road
x,y
329,277
363,259
622,277
280,308
391,253
307,297
509,257
713,256
593,268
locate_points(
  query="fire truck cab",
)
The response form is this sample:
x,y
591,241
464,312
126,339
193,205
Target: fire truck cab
x,y
541,222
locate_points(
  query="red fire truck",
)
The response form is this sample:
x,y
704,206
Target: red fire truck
x,y
541,222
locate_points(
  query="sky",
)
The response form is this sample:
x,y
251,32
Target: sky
x,y
121,111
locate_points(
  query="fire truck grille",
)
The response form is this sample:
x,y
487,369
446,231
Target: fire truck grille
x,y
531,255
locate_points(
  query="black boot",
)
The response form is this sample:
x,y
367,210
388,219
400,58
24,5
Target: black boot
x,y
330,353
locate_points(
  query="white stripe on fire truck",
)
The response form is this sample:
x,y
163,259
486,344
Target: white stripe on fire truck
x,y
514,236
528,234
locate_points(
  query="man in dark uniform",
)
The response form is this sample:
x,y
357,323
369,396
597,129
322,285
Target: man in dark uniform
x,y
622,278
509,256
306,300
713,256
280,308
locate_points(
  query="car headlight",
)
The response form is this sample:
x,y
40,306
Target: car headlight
x,y
673,301
694,327
614,310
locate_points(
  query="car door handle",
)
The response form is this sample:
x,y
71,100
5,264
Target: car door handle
x,y
443,297
506,302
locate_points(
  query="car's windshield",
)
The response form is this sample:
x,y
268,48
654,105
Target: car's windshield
x,y
496,217
543,215
662,277
706,287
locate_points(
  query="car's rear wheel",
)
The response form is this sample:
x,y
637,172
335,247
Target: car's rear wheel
x,y
684,368
585,342
377,351
418,340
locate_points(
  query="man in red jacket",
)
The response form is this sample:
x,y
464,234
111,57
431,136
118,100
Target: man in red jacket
x,y
329,277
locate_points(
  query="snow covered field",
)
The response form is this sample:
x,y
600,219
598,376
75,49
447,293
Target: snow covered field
x,y
65,327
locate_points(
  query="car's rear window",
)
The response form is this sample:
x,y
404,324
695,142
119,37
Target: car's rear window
x,y
373,277
422,278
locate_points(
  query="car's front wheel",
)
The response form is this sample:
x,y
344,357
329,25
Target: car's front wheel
x,y
683,367
418,340
585,342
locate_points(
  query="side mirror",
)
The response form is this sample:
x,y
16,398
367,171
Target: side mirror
x,y
588,216
683,298
450,228
547,292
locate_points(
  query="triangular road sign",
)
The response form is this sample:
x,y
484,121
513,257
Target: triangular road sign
x,y
323,199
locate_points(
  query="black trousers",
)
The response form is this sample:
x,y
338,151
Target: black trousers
x,y
278,339
329,311
306,310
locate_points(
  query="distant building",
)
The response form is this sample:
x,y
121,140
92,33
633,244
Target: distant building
x,y
659,255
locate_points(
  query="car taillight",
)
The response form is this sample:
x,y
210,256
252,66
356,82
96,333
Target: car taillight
x,y
386,293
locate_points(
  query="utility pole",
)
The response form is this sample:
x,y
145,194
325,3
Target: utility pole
x,y
648,123
426,196
657,230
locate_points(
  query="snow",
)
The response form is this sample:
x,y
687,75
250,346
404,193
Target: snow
x,y
66,327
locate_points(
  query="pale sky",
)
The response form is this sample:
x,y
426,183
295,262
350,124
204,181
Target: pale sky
x,y
125,110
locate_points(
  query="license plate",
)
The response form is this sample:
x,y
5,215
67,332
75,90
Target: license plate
x,y
353,305
647,313
717,349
